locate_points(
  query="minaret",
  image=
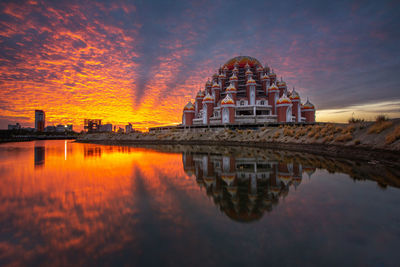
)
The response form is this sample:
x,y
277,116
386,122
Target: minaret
x,y
249,74
227,110
308,111
273,92
208,108
188,114
260,71
234,79
272,77
208,87
284,109
296,105
225,69
221,81
265,83
231,91
216,91
199,102
282,87
251,91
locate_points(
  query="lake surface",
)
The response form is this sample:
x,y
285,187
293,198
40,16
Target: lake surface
x,y
65,203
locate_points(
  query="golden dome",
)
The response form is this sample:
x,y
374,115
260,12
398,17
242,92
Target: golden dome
x,y
242,61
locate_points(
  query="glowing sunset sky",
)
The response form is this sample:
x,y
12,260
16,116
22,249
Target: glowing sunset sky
x,y
141,61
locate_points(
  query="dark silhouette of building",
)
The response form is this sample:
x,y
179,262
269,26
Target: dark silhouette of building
x,y
40,118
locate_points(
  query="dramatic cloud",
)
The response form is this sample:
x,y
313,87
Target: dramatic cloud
x,y
141,61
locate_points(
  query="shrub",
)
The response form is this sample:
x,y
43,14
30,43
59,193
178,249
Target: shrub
x,y
344,137
328,138
381,118
288,132
355,120
379,126
349,129
393,136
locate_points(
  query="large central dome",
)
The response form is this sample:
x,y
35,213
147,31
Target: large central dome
x,y
242,61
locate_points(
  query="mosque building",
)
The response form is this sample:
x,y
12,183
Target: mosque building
x,y
245,92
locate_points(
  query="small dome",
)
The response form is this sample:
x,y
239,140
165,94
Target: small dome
x,y
215,85
247,65
294,95
227,101
248,72
225,68
231,88
233,77
260,68
265,77
222,75
272,74
235,70
284,100
189,106
208,83
307,105
215,75
200,94
281,84
251,81
208,97
273,88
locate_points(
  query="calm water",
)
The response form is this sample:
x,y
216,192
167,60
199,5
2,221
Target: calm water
x,y
64,203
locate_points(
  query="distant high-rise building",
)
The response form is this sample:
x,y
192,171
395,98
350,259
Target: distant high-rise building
x,y
92,125
40,118
128,128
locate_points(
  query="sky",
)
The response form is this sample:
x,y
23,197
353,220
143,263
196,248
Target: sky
x,y
140,62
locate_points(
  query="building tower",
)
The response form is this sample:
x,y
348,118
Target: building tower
x,y
265,83
231,91
284,109
273,93
198,102
296,105
216,91
308,111
188,114
251,90
228,110
208,108
40,118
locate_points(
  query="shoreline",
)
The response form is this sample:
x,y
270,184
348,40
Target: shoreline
x,y
373,156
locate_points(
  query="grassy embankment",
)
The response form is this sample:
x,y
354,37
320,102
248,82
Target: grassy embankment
x,y
381,134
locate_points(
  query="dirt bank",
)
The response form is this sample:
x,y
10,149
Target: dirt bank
x,y
372,141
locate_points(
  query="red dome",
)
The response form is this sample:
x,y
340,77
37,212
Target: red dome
x,y
242,61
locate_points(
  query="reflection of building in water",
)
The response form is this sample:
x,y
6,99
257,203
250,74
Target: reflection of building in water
x,y
91,151
243,187
39,156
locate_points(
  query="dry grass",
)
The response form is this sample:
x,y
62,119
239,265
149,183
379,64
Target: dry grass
x,y
379,126
344,137
393,136
328,138
288,132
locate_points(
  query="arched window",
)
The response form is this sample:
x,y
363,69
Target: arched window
x,y
262,102
242,103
